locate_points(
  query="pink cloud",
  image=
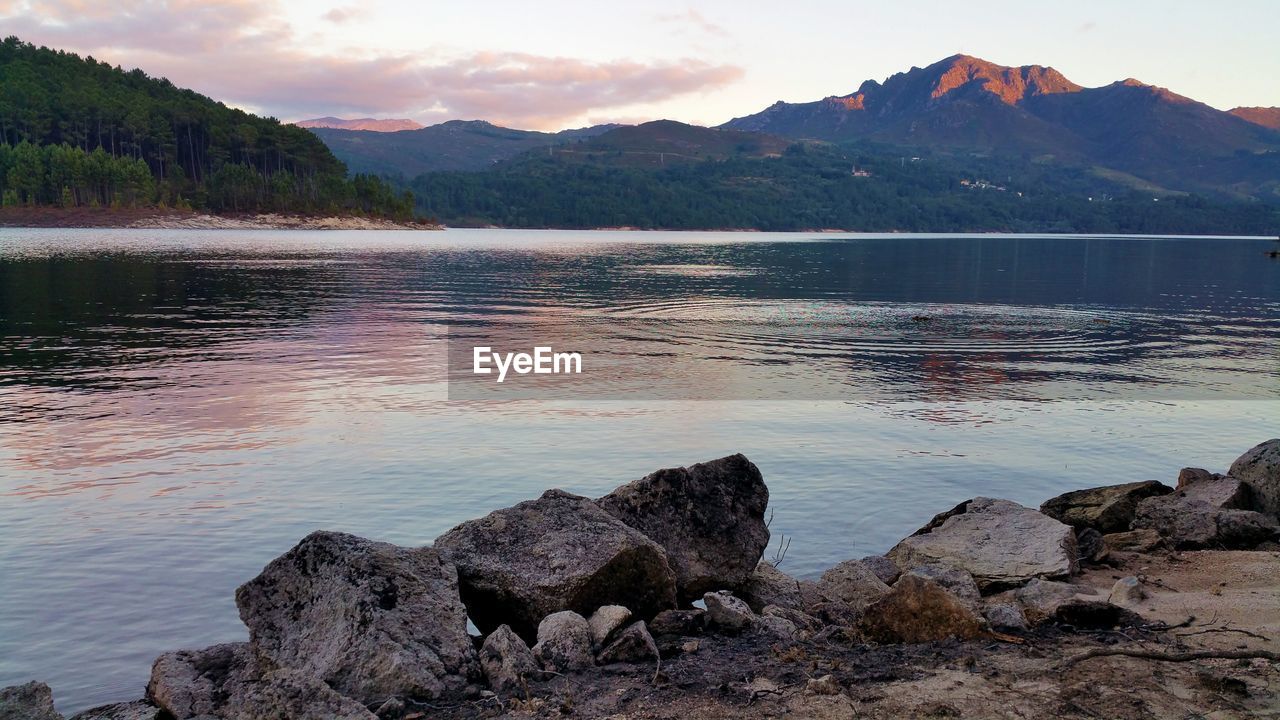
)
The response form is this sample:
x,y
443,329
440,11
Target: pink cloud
x,y
241,52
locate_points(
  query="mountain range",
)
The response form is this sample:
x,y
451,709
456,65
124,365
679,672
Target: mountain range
x,y
1139,135
371,124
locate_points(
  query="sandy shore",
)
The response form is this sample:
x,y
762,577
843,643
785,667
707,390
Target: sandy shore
x,y
150,218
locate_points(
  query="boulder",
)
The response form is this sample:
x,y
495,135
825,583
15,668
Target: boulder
x,y
1005,616
1000,543
136,710
371,619
883,567
709,518
633,644
770,586
775,627
605,621
1090,545
853,583
727,613
1040,599
1221,491
803,622
564,642
682,623
560,552
1140,541
1187,522
31,701
506,660
1127,592
1259,468
228,682
1106,509
919,610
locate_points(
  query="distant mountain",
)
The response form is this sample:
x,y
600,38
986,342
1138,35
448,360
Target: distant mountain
x,y
1264,116
968,104
371,124
667,142
454,145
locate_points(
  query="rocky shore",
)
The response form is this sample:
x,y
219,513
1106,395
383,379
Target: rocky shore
x,y
1137,600
152,218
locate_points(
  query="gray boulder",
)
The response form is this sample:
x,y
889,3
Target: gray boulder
x,y
1106,509
1127,592
727,613
853,583
371,619
775,627
605,621
227,682
919,610
954,580
883,567
1005,616
30,701
506,660
1040,599
709,518
770,586
1188,522
560,552
1000,543
1221,491
1259,468
804,623
564,642
632,644
136,710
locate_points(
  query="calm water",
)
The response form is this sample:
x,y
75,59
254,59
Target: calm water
x,y
177,408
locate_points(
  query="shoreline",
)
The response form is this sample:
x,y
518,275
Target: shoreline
x,y
168,219
1131,601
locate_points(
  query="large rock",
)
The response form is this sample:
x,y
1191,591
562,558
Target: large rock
x,y
564,642
1000,543
1260,470
506,659
727,613
883,567
1221,491
1040,599
1187,522
919,610
31,701
953,580
770,586
371,619
632,644
227,682
709,517
1140,541
559,552
853,583
1106,509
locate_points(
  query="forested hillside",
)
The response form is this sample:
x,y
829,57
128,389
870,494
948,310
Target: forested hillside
x,y
817,185
78,132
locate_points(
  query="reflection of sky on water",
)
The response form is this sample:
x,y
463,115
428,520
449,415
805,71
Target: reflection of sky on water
x,y
175,410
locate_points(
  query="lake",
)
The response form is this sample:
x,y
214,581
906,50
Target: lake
x,y
177,408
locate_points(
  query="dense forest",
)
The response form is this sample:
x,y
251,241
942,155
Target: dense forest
x,y
815,186
78,132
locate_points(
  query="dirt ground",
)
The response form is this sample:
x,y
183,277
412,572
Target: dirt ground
x,y
1218,601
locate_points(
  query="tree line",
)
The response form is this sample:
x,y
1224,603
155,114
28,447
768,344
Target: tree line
x,y
78,132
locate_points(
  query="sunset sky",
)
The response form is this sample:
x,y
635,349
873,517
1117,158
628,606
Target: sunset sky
x,y
553,64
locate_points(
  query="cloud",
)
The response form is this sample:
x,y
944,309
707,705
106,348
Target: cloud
x,y
695,19
342,14
242,52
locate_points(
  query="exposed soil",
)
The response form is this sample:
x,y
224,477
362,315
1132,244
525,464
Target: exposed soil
x,y
1207,600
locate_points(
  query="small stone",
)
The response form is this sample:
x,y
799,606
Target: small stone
x,y
775,626
1006,616
802,621
506,659
32,701
1090,545
825,685
1040,599
727,613
1140,541
1127,592
770,586
564,642
679,622
605,621
852,583
884,568
690,646
633,644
